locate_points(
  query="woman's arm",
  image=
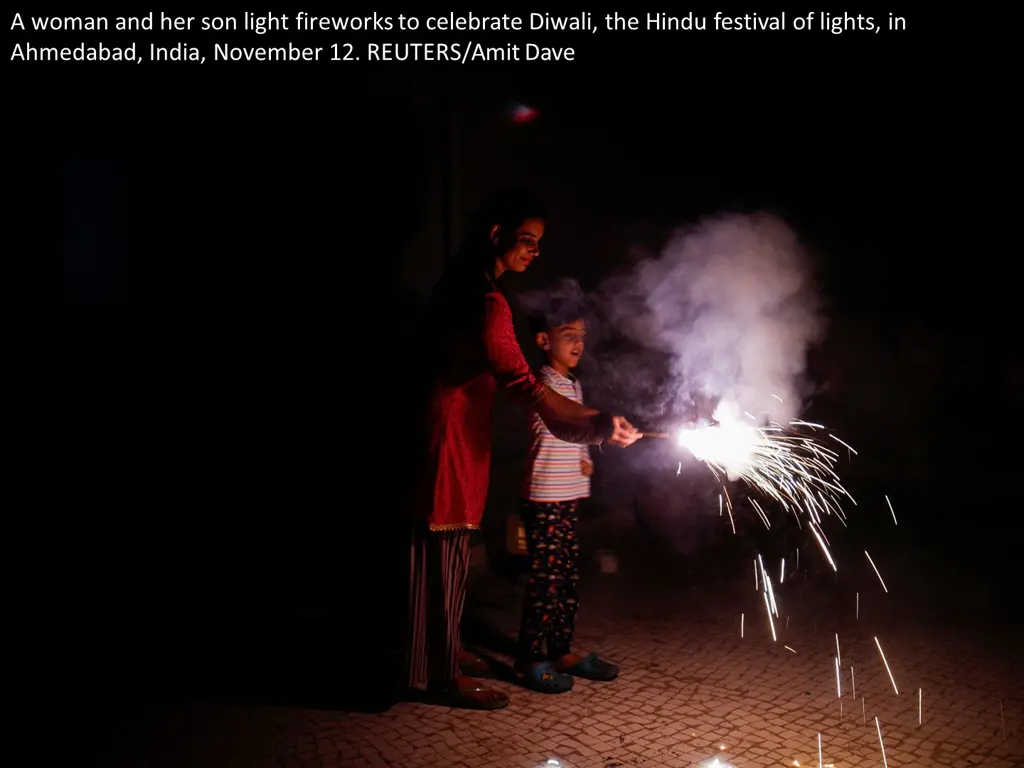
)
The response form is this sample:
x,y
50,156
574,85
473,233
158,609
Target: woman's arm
x,y
572,422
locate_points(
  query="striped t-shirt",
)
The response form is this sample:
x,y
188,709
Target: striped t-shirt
x,y
553,466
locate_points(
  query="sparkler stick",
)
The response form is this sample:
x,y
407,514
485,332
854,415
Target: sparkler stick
x,y
658,435
840,711
863,711
820,762
853,682
857,617
839,656
741,626
839,685
918,706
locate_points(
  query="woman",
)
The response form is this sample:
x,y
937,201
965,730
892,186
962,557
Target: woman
x,y
474,349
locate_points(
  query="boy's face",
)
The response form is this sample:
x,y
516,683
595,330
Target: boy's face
x,y
564,344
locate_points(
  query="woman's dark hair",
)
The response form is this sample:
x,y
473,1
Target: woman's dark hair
x,y
508,208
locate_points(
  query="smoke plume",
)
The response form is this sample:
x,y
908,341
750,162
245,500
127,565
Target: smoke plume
x,y
717,325
722,319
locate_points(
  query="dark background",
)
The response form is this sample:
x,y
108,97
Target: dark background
x,y
242,267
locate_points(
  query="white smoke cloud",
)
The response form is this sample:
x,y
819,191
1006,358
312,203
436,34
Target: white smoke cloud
x,y
732,304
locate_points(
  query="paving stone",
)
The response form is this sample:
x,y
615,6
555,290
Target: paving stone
x,y
689,686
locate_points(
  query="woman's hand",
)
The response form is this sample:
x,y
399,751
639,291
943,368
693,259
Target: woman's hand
x,y
623,433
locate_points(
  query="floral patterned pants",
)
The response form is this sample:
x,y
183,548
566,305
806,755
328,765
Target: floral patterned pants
x,y
551,603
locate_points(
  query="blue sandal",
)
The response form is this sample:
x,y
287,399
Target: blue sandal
x,y
590,667
542,677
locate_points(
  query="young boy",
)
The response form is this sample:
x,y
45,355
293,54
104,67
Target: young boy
x,y
557,477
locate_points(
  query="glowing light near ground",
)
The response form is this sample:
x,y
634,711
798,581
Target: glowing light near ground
x,y
715,762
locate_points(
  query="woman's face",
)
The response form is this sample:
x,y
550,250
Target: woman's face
x,y
517,249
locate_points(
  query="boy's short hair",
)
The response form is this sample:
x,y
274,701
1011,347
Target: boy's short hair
x,y
563,304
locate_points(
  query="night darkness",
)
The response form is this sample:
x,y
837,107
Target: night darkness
x,y
243,266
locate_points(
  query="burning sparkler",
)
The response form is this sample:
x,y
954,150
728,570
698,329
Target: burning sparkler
x,y
786,465
783,463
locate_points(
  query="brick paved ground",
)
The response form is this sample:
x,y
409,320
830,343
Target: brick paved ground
x,y
691,689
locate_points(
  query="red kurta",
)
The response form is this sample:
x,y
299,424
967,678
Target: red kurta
x,y
472,333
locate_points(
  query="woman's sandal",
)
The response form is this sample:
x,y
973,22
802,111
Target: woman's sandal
x,y
590,667
472,665
466,693
542,677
